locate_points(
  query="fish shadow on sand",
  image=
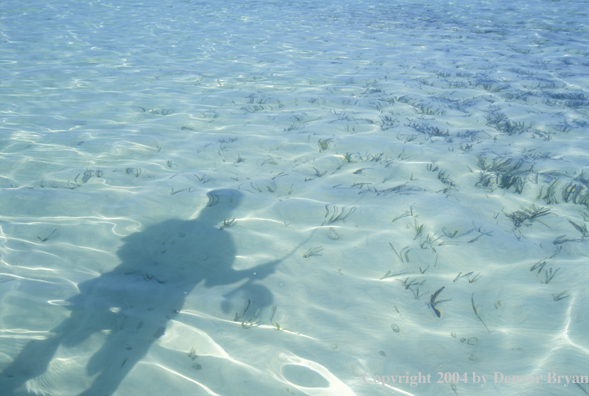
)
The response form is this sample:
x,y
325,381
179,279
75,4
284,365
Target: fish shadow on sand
x,y
134,302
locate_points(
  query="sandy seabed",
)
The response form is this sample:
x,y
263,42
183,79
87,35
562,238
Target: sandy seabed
x,y
265,198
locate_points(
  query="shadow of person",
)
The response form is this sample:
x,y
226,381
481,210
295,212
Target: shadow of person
x,y
134,302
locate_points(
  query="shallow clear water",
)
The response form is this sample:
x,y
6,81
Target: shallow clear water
x,y
298,198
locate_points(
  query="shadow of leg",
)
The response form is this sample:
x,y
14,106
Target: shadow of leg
x,y
30,363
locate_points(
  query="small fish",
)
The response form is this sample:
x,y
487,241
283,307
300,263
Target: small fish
x,y
433,302
436,294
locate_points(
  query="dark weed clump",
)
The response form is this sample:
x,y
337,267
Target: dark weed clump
x,y
520,217
503,172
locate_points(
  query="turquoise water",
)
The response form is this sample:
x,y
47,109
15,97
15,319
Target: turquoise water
x,y
294,198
